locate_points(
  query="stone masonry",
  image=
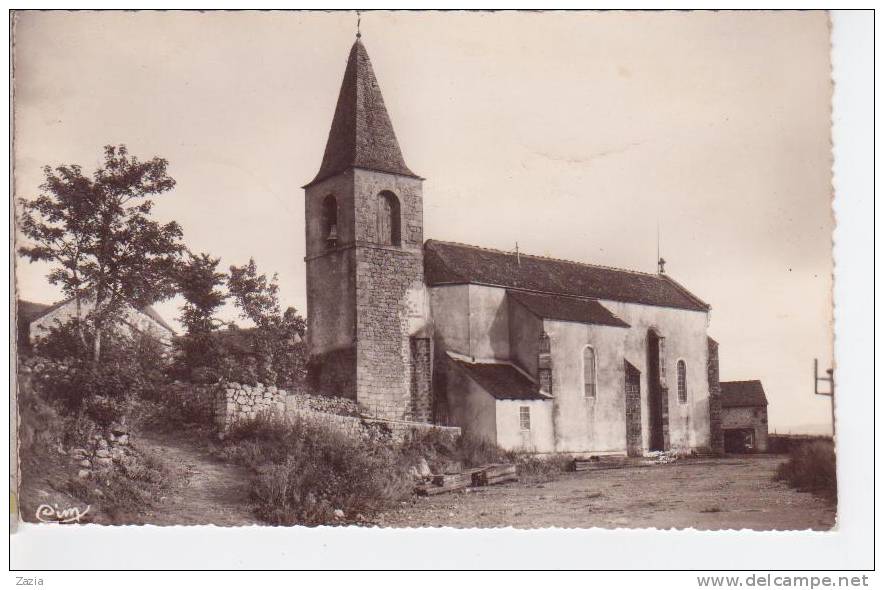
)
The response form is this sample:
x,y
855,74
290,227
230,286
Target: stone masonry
x,y
716,432
237,402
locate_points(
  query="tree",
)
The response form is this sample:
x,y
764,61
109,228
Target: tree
x,y
99,234
278,336
199,282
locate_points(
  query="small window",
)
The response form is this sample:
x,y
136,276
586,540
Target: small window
x,y
389,231
525,418
682,382
589,381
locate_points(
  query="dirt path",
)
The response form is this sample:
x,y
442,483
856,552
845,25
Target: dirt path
x,y
215,493
721,494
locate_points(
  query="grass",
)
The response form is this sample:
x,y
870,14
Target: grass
x,y
309,473
811,468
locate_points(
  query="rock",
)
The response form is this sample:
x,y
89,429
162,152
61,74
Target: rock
x,y
79,453
111,437
84,474
424,468
117,453
104,462
119,429
102,443
85,463
339,513
25,369
123,440
102,453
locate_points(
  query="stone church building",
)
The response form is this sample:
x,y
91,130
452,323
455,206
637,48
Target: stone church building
x,y
531,353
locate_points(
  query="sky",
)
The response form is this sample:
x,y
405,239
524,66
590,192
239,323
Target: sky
x,y
576,134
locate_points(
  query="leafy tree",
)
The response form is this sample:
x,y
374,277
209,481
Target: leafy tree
x,y
98,233
278,336
199,282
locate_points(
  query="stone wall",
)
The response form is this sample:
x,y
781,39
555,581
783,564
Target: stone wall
x,y
715,429
236,402
387,280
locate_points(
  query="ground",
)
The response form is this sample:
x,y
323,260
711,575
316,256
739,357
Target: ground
x,y
716,494
731,493
215,492
205,489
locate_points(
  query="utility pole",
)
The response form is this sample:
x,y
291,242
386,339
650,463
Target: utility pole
x,y
830,379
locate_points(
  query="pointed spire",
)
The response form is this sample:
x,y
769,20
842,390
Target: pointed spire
x,y
361,133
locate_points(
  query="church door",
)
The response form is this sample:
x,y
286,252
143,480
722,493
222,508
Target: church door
x,y
658,414
633,410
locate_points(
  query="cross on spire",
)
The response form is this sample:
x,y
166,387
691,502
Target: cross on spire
x,y
358,22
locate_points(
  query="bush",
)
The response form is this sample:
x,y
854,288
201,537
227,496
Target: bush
x,y
537,469
811,468
131,367
306,471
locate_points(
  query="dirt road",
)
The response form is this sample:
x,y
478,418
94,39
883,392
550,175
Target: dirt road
x,y
719,494
216,492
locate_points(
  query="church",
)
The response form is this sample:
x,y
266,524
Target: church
x,y
531,353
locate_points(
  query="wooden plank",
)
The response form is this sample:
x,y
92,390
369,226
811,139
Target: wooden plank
x,y
495,473
464,479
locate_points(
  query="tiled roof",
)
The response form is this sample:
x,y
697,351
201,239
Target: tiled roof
x,y
740,394
571,309
450,263
502,380
361,134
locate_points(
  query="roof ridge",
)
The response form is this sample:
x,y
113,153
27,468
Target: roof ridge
x,y
553,258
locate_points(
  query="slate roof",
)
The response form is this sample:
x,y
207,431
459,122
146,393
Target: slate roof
x,y
502,380
361,134
450,263
742,394
571,309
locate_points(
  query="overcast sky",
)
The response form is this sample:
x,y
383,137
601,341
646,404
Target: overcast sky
x,y
575,134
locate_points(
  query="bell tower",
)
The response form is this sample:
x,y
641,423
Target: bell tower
x,y
367,311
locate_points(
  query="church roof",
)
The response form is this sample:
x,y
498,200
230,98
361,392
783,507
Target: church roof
x,y
361,133
570,309
501,380
447,263
741,394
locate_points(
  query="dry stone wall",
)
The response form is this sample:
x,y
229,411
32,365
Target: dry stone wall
x,y
237,402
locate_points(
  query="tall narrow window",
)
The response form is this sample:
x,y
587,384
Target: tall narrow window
x,y
682,382
589,385
525,418
388,219
330,221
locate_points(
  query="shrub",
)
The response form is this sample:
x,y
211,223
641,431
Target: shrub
x,y
542,468
131,367
306,471
811,468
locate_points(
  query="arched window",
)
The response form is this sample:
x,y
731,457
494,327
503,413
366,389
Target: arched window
x,y
388,219
330,221
682,371
589,378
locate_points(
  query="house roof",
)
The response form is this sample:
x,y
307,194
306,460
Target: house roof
x,y
361,134
29,310
571,309
741,394
501,380
37,313
448,263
